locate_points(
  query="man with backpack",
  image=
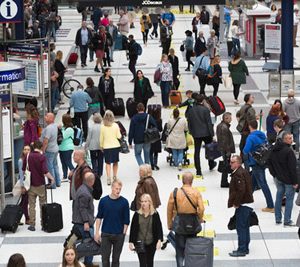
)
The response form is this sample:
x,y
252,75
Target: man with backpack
x,y
200,69
134,50
254,141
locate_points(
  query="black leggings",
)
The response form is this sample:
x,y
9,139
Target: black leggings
x,y
145,36
146,259
236,90
216,88
189,54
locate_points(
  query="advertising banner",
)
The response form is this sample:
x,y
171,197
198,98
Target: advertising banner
x,y
273,38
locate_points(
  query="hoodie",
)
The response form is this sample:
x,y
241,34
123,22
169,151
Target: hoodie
x,y
282,163
254,139
138,126
292,108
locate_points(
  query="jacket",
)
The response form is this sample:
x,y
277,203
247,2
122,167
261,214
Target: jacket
x,y
157,230
164,36
238,71
110,93
143,22
189,43
78,37
246,116
80,100
199,115
269,123
282,163
83,206
204,17
92,140
138,126
225,138
132,50
124,24
147,185
183,204
201,63
113,33
292,108
240,188
31,131
142,93
200,46
196,21
176,138
253,141
99,41
94,94
175,65
215,74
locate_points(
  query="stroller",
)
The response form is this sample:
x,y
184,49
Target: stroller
x,y
170,159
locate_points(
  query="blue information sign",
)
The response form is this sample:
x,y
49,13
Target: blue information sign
x,y
11,11
11,73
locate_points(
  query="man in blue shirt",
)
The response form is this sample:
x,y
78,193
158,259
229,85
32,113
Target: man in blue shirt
x,y
201,62
169,16
254,140
79,101
113,216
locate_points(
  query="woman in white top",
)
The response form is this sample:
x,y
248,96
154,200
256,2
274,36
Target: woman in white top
x,y
70,258
236,45
176,140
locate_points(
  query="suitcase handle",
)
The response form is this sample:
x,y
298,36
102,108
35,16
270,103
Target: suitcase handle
x,y
46,186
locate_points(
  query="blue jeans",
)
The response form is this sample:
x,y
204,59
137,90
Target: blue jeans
x,y
177,155
165,88
180,241
53,166
54,97
294,129
66,162
138,153
87,260
236,46
242,214
289,192
52,31
93,110
259,178
97,161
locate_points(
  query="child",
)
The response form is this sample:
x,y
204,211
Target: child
x,y
189,102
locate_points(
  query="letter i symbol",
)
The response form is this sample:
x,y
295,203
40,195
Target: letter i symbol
x,y
8,9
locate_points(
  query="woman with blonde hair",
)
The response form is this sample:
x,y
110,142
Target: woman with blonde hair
x,y
212,43
214,76
109,144
60,68
146,24
69,258
146,232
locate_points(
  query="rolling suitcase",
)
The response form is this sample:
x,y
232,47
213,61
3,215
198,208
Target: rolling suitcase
x,y
131,107
153,108
175,97
73,57
52,219
118,107
10,217
217,105
199,251
212,151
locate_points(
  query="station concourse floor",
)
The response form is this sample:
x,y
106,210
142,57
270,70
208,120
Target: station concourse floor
x,y
275,246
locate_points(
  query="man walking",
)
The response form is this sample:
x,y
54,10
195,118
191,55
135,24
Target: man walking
x,y
83,38
254,140
50,147
38,167
133,55
226,145
113,216
240,196
83,212
166,33
137,134
291,107
200,69
282,166
200,115
184,197
80,101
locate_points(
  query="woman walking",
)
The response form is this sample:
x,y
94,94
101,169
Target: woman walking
x,y
176,140
31,125
212,43
109,143
146,232
238,71
60,68
93,144
97,100
99,45
189,47
196,22
173,59
214,76
166,71
146,24
66,147
142,89
107,88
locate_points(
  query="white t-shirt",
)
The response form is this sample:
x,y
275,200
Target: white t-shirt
x,y
234,31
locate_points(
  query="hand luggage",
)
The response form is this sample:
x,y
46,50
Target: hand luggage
x,y
88,247
154,108
73,57
217,105
10,217
52,219
212,151
131,107
175,97
118,107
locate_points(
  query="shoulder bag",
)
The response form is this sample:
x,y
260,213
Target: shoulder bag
x,y
140,244
165,134
186,223
124,149
151,135
27,175
200,72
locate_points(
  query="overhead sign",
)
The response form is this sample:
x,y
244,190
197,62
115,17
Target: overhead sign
x,y
11,73
273,38
11,11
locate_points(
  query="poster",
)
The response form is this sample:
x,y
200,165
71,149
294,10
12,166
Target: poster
x,y
287,82
273,38
46,70
6,134
30,86
297,81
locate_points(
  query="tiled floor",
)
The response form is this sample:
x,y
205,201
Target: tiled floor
x,y
277,246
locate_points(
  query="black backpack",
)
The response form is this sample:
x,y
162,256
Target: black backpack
x,y
97,187
262,154
60,136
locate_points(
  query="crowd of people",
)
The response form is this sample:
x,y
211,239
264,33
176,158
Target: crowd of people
x,y
102,140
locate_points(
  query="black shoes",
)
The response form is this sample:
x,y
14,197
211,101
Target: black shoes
x,y
96,69
211,167
237,253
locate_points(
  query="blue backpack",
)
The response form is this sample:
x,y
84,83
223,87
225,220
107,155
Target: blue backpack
x,y
139,49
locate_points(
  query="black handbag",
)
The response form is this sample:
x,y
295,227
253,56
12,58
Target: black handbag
x,y
253,220
181,48
167,132
186,223
123,146
133,204
140,244
88,247
200,72
151,135
224,167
